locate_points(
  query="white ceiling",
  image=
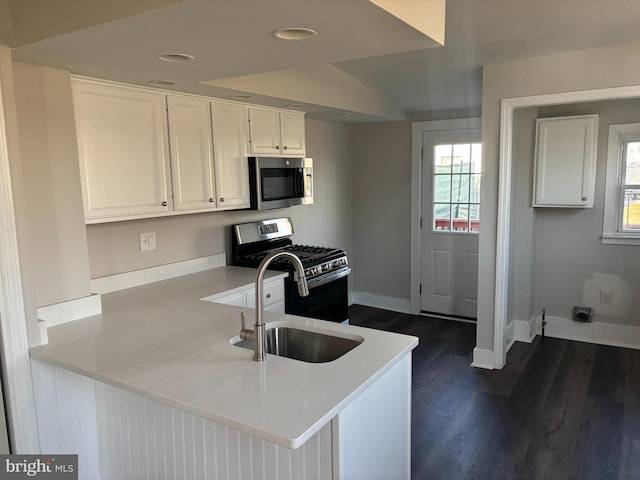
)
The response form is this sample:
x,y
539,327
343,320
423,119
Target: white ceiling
x,y
396,64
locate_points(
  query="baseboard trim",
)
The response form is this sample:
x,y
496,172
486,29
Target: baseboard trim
x,y
524,330
65,312
399,305
596,332
120,281
483,358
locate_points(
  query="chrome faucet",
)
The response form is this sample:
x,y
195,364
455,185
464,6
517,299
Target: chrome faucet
x,y
259,332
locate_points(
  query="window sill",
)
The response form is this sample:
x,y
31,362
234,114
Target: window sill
x,y
620,239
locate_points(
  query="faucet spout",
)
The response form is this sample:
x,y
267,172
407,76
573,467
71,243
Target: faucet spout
x,y
260,354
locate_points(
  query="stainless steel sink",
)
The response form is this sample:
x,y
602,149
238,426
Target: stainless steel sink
x,y
305,345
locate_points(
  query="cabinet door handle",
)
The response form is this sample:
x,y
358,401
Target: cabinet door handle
x,y
277,147
164,204
222,199
285,147
211,200
584,199
268,295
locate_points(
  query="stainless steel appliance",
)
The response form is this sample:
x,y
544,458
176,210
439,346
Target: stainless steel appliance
x,y
280,182
326,269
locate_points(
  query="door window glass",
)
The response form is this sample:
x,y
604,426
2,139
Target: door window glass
x,y
456,187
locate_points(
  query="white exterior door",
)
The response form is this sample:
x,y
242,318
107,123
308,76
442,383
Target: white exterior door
x,y
451,165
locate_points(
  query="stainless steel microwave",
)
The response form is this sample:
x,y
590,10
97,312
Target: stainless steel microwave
x,y
280,182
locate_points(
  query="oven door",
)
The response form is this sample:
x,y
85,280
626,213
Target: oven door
x,y
325,302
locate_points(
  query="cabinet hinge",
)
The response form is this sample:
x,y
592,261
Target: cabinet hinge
x,y
420,288
421,153
420,222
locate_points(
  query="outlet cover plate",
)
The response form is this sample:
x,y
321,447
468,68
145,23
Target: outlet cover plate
x,y
147,241
605,297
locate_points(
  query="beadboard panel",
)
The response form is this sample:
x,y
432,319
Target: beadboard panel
x,y
65,412
118,434
141,438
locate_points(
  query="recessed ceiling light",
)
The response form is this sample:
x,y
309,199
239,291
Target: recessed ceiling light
x,y
161,83
240,96
348,115
176,57
294,33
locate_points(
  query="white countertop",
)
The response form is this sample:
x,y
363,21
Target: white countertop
x,y
162,342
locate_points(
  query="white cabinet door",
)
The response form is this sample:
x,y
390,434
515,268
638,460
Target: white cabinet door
x,y
276,133
229,146
273,296
123,150
565,161
191,153
264,132
292,134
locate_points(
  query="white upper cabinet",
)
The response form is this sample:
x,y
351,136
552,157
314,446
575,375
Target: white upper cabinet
x,y
146,153
292,134
229,145
191,153
565,161
264,132
275,133
123,150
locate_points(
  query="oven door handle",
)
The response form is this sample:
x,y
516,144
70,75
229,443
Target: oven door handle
x,y
328,277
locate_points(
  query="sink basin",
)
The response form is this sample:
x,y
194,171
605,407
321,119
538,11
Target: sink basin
x,y
305,345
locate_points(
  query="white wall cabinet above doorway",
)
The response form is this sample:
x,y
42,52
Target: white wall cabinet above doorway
x,y
147,153
565,161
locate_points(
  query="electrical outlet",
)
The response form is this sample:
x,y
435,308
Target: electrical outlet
x,y
605,297
147,241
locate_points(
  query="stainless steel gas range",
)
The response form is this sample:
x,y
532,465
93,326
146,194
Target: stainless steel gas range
x,y
326,269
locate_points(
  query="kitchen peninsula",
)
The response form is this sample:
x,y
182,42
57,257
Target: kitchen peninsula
x,y
154,388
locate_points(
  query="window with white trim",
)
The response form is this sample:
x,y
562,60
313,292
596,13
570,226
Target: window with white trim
x,y
621,224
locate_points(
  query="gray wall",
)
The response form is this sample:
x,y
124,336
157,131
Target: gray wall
x,y
382,209
56,240
6,25
571,263
574,71
114,247
521,248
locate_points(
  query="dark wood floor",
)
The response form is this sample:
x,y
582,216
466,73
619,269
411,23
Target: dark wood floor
x,y
558,410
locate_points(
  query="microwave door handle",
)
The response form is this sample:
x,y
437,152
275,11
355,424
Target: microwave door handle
x,y
300,183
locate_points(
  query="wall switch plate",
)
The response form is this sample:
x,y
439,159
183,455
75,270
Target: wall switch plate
x,y
605,297
147,241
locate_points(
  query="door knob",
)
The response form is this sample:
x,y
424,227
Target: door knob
x,y
222,199
211,200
